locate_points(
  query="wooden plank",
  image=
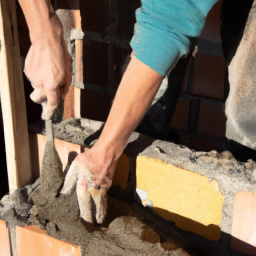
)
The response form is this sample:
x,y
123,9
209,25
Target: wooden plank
x,y
13,99
79,61
72,102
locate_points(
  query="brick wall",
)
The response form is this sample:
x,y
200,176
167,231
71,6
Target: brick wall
x,y
197,115
197,87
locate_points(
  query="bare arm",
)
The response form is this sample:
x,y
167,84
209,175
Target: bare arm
x,y
48,63
134,96
93,170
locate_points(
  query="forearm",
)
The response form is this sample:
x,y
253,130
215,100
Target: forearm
x,y
42,21
134,96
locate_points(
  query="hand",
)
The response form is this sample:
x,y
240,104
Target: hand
x,y
48,67
92,176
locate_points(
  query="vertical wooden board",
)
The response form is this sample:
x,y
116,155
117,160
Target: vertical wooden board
x,y
13,100
79,61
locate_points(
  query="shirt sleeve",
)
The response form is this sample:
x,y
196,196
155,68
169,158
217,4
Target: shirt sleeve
x,y
164,28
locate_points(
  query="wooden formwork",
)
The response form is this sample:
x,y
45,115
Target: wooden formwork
x,y
18,153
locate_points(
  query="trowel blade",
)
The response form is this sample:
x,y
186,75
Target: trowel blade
x,y
48,129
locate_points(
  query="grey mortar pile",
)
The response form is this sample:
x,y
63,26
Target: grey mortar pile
x,y
126,220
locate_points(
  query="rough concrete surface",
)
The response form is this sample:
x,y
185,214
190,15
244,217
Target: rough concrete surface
x,y
230,174
240,105
123,231
59,215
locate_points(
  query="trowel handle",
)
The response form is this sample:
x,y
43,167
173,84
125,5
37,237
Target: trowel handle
x,y
48,126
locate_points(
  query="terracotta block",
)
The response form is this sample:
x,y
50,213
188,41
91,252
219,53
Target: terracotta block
x,y
121,59
95,106
244,223
67,151
95,16
183,139
95,60
213,22
205,145
181,115
123,17
122,172
186,75
5,249
209,76
211,120
31,241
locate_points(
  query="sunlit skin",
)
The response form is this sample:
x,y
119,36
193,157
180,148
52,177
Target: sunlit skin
x,y
48,63
48,68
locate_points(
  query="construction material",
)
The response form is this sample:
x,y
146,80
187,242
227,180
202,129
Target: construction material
x,y
13,99
209,180
240,105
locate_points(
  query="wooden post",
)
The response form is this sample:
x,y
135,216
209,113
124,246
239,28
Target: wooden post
x,y
79,63
13,99
70,16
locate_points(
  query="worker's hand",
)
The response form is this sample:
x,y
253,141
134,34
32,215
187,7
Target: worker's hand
x,y
48,67
92,177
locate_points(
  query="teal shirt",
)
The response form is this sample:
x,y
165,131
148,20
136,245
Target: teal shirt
x,y
164,28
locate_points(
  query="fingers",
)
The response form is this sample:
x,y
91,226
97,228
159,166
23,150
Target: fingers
x,y
53,100
100,202
84,200
70,180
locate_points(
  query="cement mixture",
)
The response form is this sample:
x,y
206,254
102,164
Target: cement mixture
x,y
129,229
59,215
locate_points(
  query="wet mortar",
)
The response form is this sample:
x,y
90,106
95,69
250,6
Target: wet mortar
x,y
129,229
59,215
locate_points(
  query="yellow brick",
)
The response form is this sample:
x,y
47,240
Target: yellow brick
x,y
182,196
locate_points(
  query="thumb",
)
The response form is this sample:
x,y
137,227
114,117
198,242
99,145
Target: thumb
x,y
38,96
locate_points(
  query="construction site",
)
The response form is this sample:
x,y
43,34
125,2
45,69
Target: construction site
x,y
184,182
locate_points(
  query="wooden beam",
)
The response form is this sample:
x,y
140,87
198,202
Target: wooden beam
x,y
79,61
13,99
70,16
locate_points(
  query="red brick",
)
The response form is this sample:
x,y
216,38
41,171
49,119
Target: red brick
x,y
244,223
209,76
181,114
211,30
67,151
123,17
95,106
95,60
5,249
31,241
183,139
211,120
122,172
121,59
186,75
205,145
95,16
